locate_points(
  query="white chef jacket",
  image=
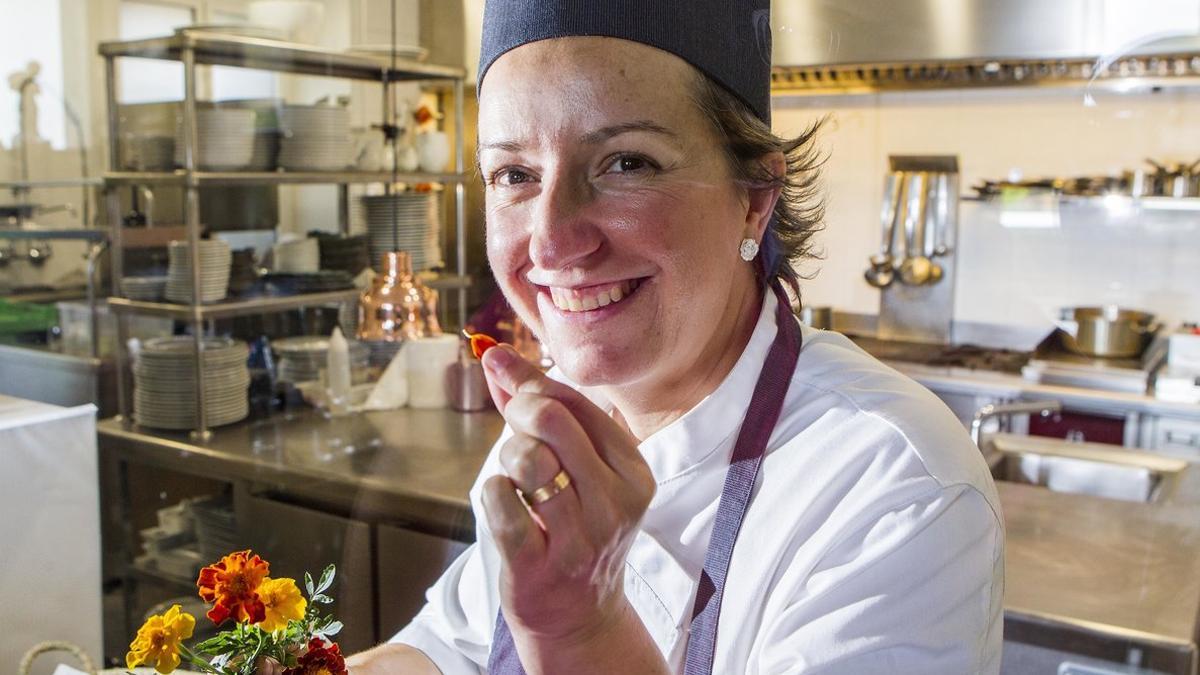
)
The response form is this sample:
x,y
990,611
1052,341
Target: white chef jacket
x,y
873,542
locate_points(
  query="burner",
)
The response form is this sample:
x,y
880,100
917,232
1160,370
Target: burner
x,y
975,357
970,357
1053,364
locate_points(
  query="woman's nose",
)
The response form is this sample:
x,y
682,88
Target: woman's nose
x,y
564,231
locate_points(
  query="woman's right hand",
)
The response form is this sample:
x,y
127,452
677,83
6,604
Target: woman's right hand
x,y
576,542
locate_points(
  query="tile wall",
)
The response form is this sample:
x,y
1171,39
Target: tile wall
x,y
1013,275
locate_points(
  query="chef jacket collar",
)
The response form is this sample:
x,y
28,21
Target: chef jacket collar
x,y
711,423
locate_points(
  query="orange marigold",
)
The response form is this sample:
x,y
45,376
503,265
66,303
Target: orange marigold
x,y
231,585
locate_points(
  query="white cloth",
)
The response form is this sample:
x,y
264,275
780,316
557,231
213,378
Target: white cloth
x,y
49,530
873,542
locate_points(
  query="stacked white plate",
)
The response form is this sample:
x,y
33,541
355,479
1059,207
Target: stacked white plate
x,y
415,228
301,359
144,288
216,259
225,139
149,153
315,138
164,377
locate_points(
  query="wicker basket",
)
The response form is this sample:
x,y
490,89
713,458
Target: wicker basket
x,y
55,646
80,655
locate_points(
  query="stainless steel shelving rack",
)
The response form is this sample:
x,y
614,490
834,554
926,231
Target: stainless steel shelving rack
x,y
196,47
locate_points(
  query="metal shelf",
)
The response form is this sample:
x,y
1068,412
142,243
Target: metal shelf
x,y
44,235
276,55
222,310
51,183
207,178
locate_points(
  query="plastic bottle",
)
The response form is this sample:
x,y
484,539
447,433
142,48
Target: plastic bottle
x,y
337,373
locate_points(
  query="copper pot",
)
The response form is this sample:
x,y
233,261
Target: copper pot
x,y
393,308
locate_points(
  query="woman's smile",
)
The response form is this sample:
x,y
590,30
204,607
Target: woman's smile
x,y
589,298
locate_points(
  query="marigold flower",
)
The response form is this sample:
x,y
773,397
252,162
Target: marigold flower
x,y
158,640
232,586
283,603
320,659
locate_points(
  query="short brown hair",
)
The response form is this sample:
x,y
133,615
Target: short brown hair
x,y
746,138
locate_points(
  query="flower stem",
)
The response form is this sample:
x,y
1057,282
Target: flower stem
x,y
197,661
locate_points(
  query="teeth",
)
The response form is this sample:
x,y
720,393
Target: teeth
x,y
571,301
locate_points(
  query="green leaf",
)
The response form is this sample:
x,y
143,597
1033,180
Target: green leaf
x,y
323,599
308,584
326,578
331,629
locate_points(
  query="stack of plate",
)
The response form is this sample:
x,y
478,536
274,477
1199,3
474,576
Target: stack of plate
x,y
315,138
216,527
149,153
348,254
225,139
144,288
164,377
283,283
301,359
215,262
415,228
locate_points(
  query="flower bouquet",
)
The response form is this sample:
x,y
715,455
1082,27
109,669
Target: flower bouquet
x,y
272,620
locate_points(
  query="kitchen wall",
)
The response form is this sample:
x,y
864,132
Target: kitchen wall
x,y
1012,275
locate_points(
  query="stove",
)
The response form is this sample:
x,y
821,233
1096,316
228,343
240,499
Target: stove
x,y
965,356
1052,363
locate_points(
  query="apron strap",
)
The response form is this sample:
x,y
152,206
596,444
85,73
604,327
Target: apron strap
x,y
765,407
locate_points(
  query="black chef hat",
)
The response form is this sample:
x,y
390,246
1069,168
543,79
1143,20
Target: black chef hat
x,y
727,40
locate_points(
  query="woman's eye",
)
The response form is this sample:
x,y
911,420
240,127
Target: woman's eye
x,y
630,164
510,177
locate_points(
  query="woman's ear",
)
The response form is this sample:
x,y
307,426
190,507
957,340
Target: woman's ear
x,y
763,197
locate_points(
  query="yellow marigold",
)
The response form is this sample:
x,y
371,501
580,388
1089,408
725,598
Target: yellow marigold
x,y
158,640
283,603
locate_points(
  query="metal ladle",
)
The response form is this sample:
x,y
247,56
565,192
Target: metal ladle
x,y
917,269
882,270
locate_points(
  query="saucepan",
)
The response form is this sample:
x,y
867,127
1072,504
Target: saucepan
x,y
1106,331
817,317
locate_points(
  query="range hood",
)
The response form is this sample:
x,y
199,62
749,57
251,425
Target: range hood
x,y
903,44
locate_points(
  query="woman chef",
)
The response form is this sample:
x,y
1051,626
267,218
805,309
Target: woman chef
x,y
701,485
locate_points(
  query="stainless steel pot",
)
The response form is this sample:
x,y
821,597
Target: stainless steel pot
x,y
1107,331
817,317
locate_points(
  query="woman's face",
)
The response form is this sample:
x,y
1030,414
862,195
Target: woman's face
x,y
613,220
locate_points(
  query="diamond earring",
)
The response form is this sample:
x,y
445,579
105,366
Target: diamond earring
x,y
748,249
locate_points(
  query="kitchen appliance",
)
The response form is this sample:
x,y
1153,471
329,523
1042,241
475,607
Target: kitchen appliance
x,y
1106,331
1052,362
1183,347
965,357
916,301
1179,379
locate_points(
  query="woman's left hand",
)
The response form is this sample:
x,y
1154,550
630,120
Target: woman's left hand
x,y
562,580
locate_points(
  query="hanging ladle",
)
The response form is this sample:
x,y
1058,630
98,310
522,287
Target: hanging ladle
x,y
882,270
917,269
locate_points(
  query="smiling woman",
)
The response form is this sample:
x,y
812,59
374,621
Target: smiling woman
x,y
701,485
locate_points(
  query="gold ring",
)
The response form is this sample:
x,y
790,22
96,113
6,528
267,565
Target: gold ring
x,y
549,491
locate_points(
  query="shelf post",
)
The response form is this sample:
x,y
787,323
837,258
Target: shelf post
x,y
192,220
113,204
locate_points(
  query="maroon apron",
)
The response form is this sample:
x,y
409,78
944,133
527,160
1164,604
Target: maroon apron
x,y
765,407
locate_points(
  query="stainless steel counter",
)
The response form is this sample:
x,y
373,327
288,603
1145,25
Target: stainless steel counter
x,y
406,467
1108,569
1076,565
